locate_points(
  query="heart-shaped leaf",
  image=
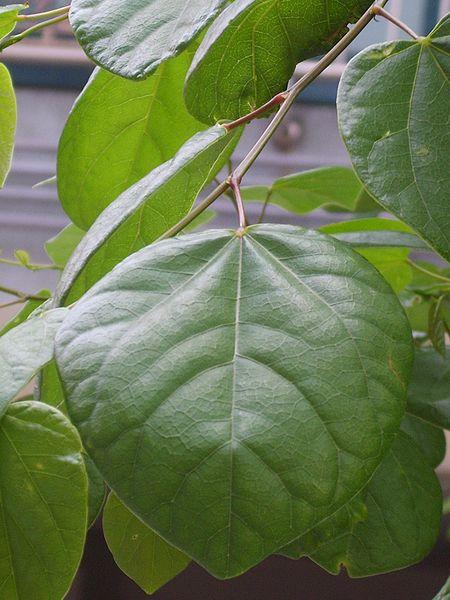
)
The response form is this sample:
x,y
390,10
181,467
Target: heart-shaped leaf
x,y
43,502
8,121
251,50
204,378
26,349
117,132
132,38
404,505
393,113
146,210
127,538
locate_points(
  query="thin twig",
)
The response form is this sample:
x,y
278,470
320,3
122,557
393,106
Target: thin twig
x,y
30,267
379,10
44,15
290,97
275,101
14,39
426,271
22,295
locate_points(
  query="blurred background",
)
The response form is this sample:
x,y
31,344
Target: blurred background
x,y
49,71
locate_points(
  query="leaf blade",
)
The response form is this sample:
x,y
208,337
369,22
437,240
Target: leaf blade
x,y
128,537
226,431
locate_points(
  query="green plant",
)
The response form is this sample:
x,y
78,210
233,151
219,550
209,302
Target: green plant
x,y
240,392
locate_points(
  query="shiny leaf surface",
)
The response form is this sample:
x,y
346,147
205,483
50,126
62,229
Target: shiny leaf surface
x,y
132,38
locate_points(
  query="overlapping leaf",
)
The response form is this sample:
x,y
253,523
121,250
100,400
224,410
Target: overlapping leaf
x,y
117,132
251,50
331,188
146,210
393,112
132,38
8,121
429,438
128,538
404,504
43,502
24,350
233,391
61,247
429,392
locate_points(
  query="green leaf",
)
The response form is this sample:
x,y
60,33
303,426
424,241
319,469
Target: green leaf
x,y
50,392
251,50
204,218
117,132
26,349
23,257
146,210
8,18
8,122
383,242
393,113
331,188
43,490
96,489
429,438
127,538
61,247
132,38
429,391
26,311
444,594
436,325
404,505
204,377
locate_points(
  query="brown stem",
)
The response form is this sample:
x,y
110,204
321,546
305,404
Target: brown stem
x,y
379,10
275,101
235,184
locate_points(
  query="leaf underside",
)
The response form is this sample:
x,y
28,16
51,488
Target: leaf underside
x,y
247,382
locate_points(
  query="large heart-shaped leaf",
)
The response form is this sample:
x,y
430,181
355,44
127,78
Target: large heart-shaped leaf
x,y
235,390
127,538
251,50
117,132
402,523
8,121
146,210
132,38
429,392
393,112
24,350
43,502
